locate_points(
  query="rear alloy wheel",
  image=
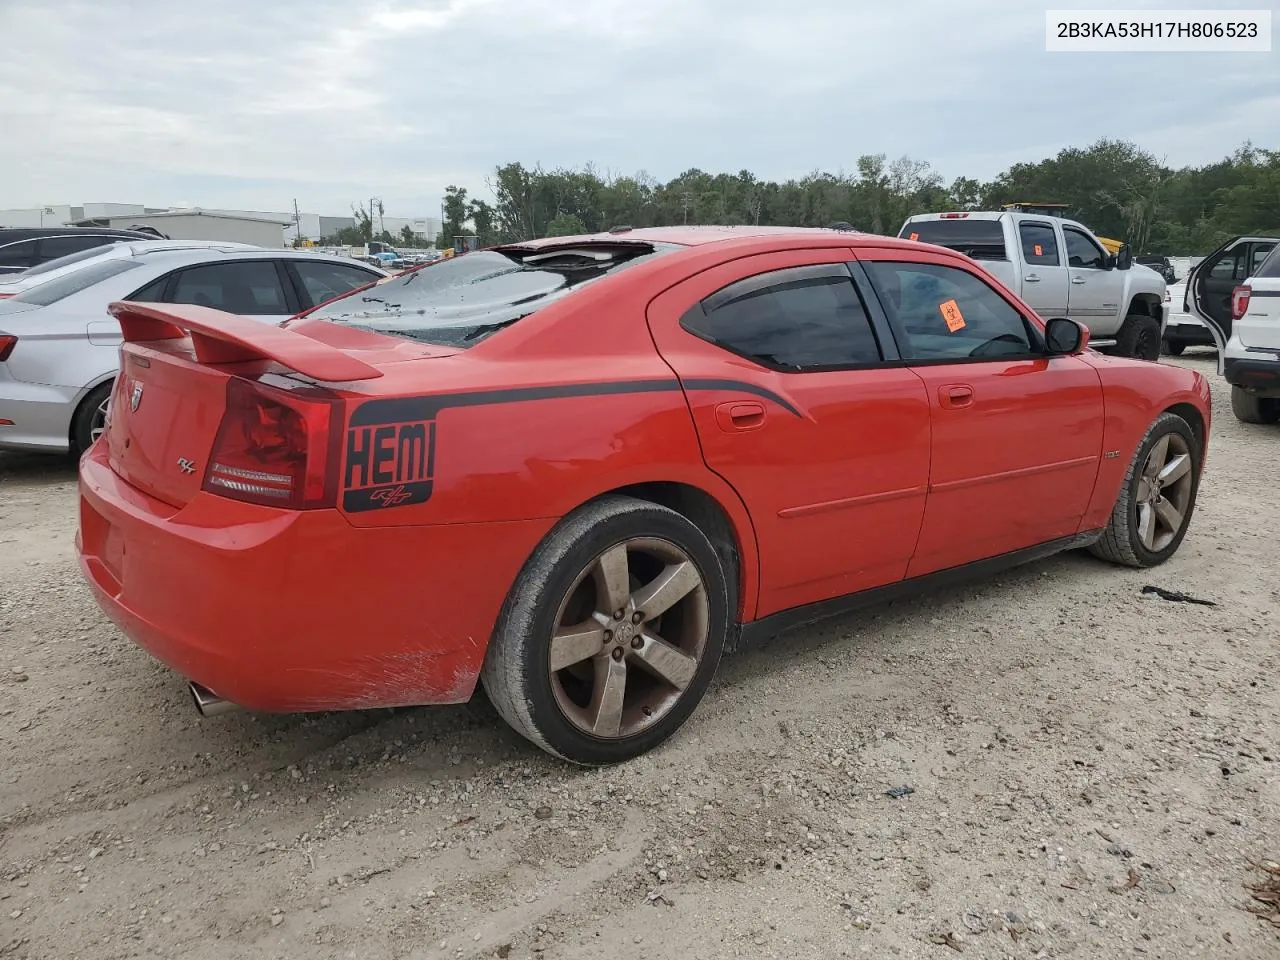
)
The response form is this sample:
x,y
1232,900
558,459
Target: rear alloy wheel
x,y
1153,510
90,419
611,633
1139,337
1174,348
1251,408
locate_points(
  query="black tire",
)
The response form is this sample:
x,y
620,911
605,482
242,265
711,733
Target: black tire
x,y
1251,408
517,672
1120,542
86,415
1139,337
1174,348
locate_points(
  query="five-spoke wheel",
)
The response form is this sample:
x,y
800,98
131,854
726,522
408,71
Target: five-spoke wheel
x,y
612,632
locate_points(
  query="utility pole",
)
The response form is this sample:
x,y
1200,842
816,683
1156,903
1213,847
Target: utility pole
x,y
297,224
686,199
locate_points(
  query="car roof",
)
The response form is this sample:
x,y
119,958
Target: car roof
x,y
689,236
10,234
199,255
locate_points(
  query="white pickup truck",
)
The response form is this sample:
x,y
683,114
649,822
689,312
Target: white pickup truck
x,y
1060,269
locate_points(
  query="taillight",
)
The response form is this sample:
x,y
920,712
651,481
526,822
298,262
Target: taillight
x,y
1167,298
952,216
1239,302
275,448
4,296
7,343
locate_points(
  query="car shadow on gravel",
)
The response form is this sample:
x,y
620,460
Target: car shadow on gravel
x,y
36,467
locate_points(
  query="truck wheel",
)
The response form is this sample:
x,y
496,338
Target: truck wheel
x,y
1251,408
1154,508
1173,348
611,633
1139,337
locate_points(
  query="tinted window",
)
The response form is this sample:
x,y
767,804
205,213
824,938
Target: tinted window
x,y
1230,266
1081,251
21,254
53,247
1039,244
1270,267
944,313
979,239
245,287
71,258
804,318
1260,253
51,291
460,301
152,292
324,280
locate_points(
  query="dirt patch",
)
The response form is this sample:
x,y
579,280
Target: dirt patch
x,y
1092,770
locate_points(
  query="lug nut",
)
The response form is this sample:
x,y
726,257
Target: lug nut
x,y
620,614
617,653
637,617
608,635
637,643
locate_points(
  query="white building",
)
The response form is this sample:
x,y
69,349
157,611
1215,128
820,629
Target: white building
x,y
260,229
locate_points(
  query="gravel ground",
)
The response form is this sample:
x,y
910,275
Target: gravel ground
x,y
1093,771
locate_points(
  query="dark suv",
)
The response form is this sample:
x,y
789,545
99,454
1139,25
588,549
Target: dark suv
x,y
25,247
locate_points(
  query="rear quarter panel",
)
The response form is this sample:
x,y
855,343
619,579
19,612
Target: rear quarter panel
x,y
528,425
1135,392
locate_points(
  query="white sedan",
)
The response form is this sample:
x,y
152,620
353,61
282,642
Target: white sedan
x,y
59,346
1182,329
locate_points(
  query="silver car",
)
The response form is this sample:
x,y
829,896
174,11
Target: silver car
x,y
59,345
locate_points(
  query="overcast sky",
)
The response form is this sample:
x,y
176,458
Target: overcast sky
x,y
253,103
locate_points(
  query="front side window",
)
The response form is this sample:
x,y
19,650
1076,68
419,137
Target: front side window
x,y
1039,244
1082,251
247,287
943,313
802,318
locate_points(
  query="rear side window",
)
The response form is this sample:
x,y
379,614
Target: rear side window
x,y
1270,267
1258,257
942,313
324,280
51,291
1039,244
72,258
803,318
51,248
246,287
20,254
979,239
461,301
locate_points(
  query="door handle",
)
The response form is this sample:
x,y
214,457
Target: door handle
x,y
955,395
739,415
1031,278
1079,280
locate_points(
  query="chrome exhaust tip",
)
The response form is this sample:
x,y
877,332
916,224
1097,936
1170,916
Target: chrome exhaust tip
x,y
208,703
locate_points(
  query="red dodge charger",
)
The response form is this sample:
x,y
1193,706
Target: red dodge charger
x,y
577,470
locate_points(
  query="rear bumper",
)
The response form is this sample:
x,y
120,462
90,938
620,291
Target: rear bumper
x,y
40,415
1183,329
1258,374
297,611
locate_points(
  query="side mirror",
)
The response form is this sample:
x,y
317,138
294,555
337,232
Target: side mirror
x,y
1124,258
1065,337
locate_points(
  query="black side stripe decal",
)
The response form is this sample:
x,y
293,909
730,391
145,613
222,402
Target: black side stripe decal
x,y
418,409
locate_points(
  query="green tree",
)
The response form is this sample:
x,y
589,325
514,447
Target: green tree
x,y
566,225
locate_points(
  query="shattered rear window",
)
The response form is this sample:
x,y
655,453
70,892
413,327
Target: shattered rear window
x,y
460,301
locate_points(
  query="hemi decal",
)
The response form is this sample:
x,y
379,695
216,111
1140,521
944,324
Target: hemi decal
x,y
390,444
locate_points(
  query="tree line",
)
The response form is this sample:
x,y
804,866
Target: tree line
x,y
1115,187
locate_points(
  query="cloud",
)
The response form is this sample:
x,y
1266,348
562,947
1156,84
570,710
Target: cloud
x,y
253,104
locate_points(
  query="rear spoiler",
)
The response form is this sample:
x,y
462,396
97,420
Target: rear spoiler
x,y
219,337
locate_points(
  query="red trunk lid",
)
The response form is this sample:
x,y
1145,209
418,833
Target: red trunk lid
x,y
175,366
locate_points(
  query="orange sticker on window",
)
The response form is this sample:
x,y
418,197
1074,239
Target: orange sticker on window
x,y
950,311
914,236
1039,250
